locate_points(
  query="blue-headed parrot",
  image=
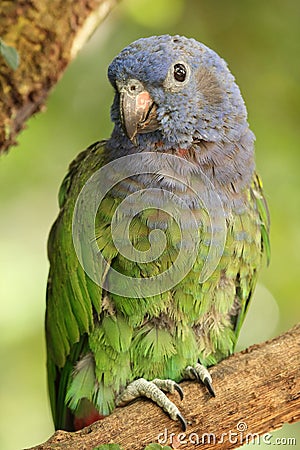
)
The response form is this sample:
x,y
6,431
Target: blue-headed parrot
x,y
144,320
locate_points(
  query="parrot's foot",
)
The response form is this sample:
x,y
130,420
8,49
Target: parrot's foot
x,y
154,390
201,374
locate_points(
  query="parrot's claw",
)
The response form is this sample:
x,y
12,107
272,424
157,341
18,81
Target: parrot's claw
x,y
208,384
179,390
182,421
201,374
168,386
154,390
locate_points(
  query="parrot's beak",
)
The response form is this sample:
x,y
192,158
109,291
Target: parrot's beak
x,y
137,109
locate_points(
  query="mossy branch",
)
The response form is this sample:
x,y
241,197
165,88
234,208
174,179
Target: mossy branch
x,y
46,35
257,391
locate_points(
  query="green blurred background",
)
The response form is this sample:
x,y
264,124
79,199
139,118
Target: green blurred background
x,y
260,40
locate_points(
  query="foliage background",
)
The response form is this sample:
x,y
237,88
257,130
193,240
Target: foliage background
x,y
261,42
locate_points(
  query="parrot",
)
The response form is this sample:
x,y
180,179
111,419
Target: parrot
x,y
118,331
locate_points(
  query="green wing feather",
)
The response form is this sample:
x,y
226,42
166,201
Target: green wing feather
x,y
253,258
262,207
72,298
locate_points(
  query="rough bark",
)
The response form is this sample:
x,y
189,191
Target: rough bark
x,y
47,35
257,391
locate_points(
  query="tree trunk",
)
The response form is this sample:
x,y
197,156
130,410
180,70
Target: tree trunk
x,y
47,35
257,391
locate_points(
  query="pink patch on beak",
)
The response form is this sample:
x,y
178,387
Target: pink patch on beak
x,y
143,101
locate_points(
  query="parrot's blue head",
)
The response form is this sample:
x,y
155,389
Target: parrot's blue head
x,y
175,91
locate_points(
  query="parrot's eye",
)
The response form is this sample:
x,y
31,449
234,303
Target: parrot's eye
x,y
178,76
179,72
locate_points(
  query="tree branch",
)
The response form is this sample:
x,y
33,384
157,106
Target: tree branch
x,y
257,391
47,35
